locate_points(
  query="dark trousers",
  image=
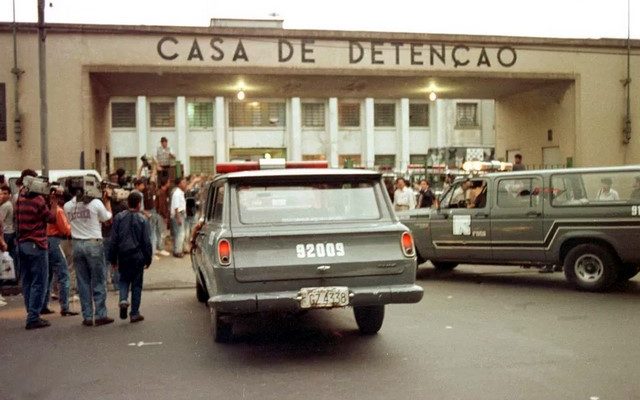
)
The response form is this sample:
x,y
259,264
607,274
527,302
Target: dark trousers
x,y
133,284
35,273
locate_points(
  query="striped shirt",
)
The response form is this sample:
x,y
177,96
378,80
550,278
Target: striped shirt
x,y
32,215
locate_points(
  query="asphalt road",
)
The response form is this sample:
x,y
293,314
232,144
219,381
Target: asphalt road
x,y
479,333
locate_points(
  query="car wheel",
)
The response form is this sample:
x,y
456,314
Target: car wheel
x,y
420,260
369,318
201,292
627,271
443,265
221,329
590,267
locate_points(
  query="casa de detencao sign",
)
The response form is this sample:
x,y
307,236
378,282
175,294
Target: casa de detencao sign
x,y
246,51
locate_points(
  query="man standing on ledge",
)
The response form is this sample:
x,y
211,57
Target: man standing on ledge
x,y
85,213
165,157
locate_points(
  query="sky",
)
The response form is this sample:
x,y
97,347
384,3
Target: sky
x,y
533,18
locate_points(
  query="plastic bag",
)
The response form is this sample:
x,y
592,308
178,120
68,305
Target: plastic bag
x,y
7,268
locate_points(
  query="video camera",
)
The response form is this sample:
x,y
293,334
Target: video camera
x,y
117,193
88,184
40,185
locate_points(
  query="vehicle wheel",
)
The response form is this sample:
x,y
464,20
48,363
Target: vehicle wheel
x,y
590,267
222,330
201,292
444,265
369,318
627,271
420,260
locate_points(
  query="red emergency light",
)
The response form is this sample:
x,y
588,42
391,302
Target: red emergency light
x,y
227,167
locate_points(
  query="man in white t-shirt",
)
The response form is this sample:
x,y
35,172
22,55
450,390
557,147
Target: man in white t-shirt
x,y
606,193
403,197
85,215
178,213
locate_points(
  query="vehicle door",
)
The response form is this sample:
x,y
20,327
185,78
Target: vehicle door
x,y
461,231
517,219
207,238
197,253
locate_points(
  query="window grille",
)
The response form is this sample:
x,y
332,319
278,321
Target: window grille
x,y
466,115
418,114
123,115
163,115
265,114
313,115
201,165
418,159
349,160
349,114
129,164
385,160
200,115
384,114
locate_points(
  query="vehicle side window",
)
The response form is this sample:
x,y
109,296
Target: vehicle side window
x,y
519,192
218,204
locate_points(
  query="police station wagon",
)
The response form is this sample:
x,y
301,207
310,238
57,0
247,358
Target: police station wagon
x,y
586,221
287,240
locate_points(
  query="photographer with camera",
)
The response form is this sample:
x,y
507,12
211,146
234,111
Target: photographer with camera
x,y
32,216
86,213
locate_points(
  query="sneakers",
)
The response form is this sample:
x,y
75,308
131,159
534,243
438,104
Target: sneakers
x,y
124,305
164,253
87,322
40,323
136,318
67,313
3,301
156,258
103,321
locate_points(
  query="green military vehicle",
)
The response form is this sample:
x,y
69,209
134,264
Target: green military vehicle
x,y
277,239
585,221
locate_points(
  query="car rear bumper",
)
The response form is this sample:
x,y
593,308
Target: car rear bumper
x,y
288,301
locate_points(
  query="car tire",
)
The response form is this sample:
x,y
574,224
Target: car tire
x,y
420,260
369,318
444,265
627,271
590,267
221,329
201,292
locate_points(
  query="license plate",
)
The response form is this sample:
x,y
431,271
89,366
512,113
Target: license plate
x,y
324,297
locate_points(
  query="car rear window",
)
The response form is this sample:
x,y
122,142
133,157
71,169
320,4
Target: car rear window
x,y
312,202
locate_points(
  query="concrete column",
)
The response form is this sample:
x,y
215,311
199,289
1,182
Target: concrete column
x,y
368,148
442,128
142,126
332,124
405,138
181,133
295,141
220,130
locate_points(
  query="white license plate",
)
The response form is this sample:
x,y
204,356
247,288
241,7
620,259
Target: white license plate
x,y
324,297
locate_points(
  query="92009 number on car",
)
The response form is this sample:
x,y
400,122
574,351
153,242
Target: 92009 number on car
x,y
320,250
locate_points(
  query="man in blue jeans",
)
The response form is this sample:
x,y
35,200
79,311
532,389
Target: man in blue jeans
x,y
32,216
131,252
85,213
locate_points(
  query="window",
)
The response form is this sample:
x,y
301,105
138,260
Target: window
x,y
418,159
419,115
123,115
313,157
200,115
163,115
471,194
349,160
309,202
384,114
218,205
349,115
255,113
313,115
3,113
595,188
519,193
129,164
201,165
466,115
385,160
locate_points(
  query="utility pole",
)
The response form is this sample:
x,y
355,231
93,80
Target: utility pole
x,y
44,145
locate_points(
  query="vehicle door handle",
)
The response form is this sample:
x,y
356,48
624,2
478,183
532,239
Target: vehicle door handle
x,y
482,215
533,214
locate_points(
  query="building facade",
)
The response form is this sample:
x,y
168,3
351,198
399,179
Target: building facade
x,y
355,98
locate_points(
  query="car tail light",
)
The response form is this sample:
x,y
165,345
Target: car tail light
x,y
406,243
224,252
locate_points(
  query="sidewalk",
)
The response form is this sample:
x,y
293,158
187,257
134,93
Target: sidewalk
x,y
170,273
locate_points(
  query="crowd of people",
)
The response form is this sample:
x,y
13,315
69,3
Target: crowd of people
x,y
114,238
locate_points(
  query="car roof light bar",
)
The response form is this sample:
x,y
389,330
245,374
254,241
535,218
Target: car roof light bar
x,y
266,164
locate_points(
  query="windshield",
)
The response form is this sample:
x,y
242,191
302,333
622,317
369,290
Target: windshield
x,y
313,202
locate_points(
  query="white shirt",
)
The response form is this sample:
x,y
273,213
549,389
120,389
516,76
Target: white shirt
x,y
458,195
178,201
611,196
85,218
404,197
